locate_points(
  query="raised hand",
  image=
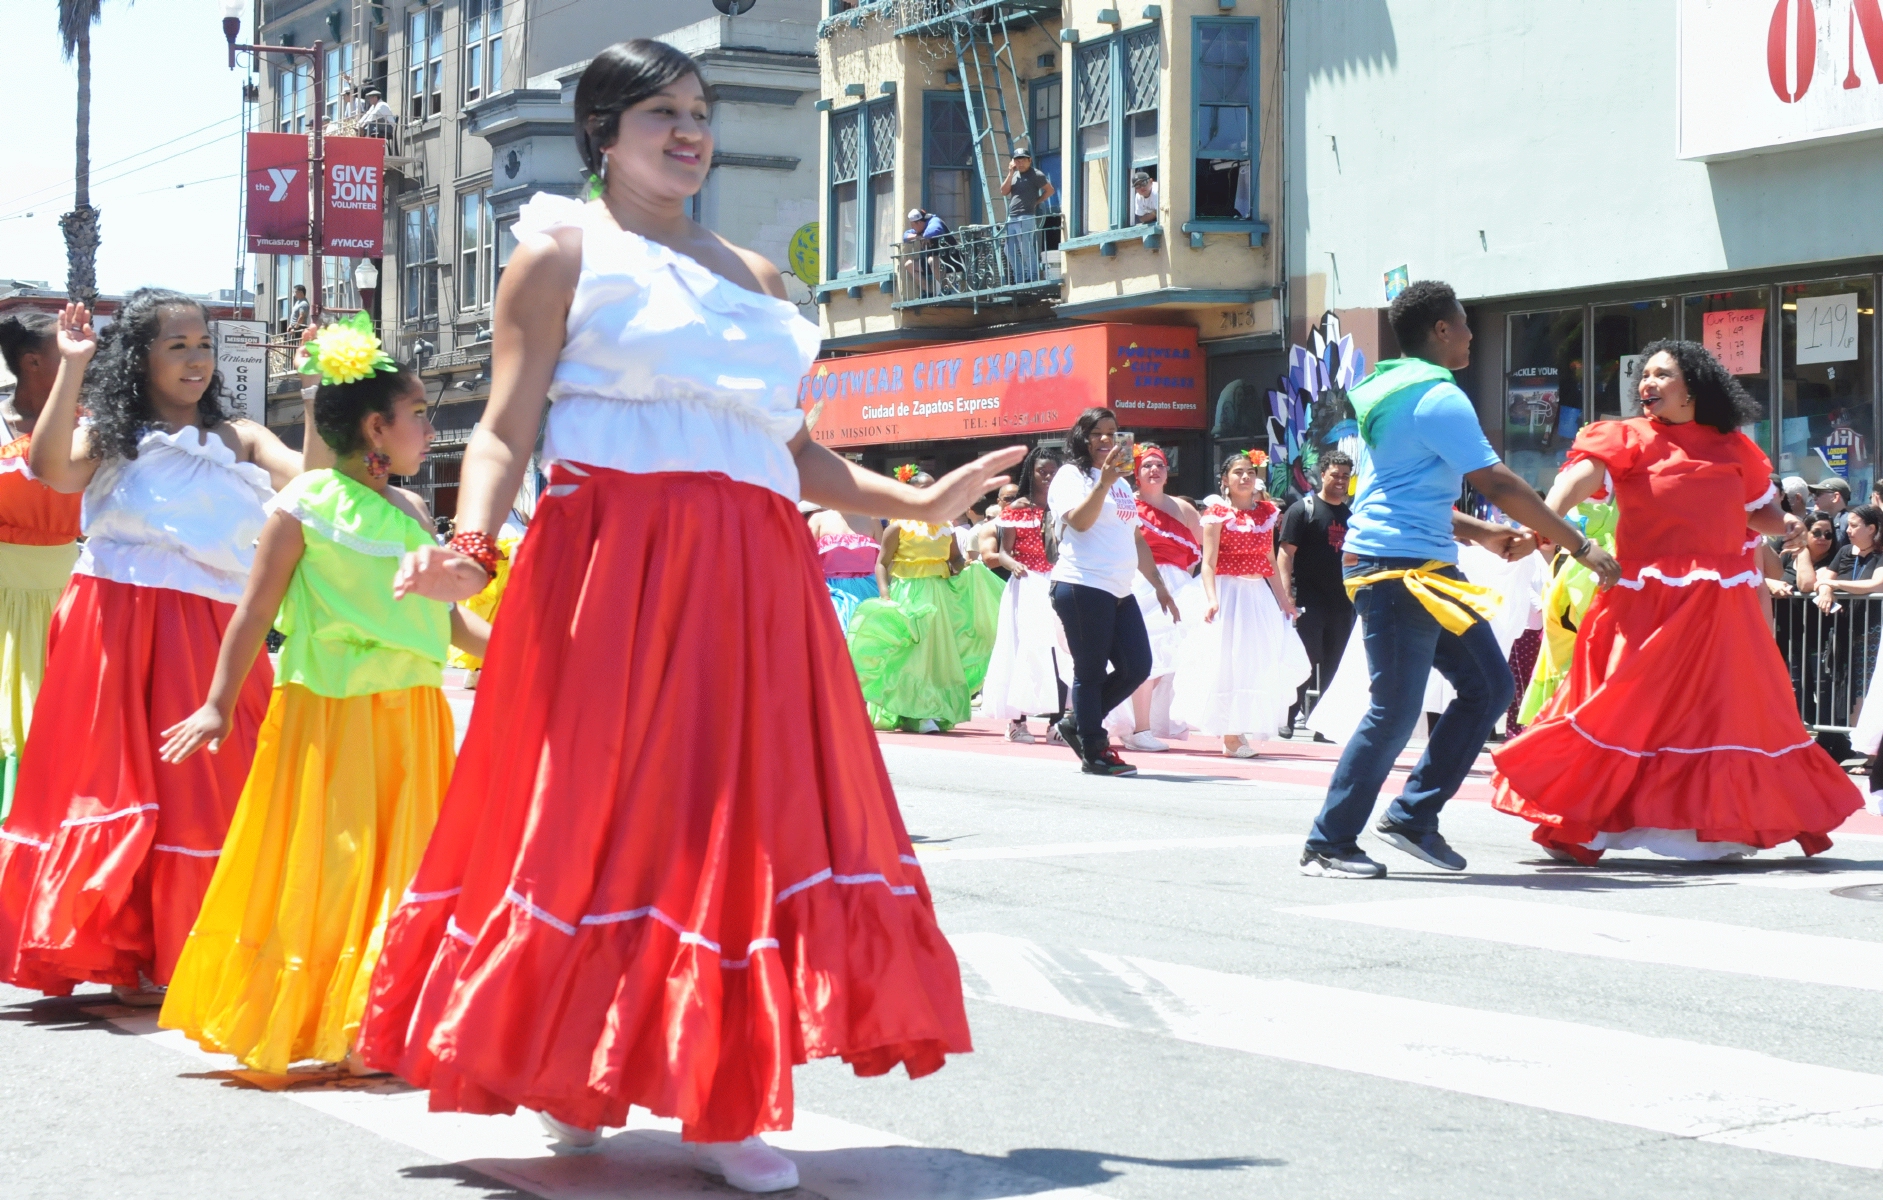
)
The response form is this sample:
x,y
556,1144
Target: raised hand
x,y
77,340
954,492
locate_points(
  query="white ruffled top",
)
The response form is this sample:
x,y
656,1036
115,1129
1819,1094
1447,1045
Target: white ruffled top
x,y
667,366
183,514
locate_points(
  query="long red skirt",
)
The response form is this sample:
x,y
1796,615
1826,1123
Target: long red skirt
x,y
1677,714
108,851
670,864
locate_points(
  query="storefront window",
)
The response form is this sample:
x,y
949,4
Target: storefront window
x,y
1827,382
1621,330
1543,392
1732,326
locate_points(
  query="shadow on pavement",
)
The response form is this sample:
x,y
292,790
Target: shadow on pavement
x,y
1634,875
486,1187
92,1012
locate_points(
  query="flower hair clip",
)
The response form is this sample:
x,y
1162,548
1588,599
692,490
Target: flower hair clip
x,y
905,473
347,352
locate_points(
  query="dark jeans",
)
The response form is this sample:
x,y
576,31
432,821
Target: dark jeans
x,y
1403,645
1323,629
1101,628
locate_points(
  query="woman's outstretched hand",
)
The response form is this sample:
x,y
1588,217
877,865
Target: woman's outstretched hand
x,y
187,736
956,491
439,573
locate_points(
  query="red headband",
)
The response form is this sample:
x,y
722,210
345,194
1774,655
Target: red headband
x,y
1155,453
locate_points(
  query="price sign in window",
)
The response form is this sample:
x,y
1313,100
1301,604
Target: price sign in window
x,y
1827,328
1737,338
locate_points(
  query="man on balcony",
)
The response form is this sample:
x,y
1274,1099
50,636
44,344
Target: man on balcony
x,y
1027,190
377,121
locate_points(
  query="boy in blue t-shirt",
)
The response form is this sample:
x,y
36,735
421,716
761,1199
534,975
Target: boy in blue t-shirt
x,y
1423,436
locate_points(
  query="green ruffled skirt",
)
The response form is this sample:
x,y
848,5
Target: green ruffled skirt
x,y
922,654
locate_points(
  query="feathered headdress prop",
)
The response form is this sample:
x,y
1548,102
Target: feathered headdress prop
x,y
1310,413
347,352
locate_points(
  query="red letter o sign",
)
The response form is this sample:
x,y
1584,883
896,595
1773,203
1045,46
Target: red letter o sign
x,y
1805,51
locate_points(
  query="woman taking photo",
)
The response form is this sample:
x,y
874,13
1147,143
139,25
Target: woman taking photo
x,y
1101,551
669,865
38,538
1243,661
1023,675
1675,731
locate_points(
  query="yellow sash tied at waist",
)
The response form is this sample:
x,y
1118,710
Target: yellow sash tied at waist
x,y
1454,603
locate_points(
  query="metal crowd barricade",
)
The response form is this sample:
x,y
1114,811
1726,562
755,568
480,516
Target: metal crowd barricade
x,y
1830,656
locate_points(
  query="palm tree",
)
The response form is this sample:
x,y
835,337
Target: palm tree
x,y
76,18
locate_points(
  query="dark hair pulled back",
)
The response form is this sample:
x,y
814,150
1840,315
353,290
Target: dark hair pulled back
x,y
1024,477
616,80
117,384
339,408
1718,398
23,333
1079,440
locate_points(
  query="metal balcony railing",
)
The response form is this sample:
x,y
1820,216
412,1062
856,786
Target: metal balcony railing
x,y
980,263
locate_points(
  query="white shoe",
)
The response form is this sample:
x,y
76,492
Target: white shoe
x,y
1241,749
573,1136
145,995
1146,741
1018,732
925,725
750,1166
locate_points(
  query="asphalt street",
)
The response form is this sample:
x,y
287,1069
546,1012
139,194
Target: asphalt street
x,y
1162,1007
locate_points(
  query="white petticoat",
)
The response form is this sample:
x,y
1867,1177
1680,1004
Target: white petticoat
x,y
1166,638
1238,673
1670,843
1022,678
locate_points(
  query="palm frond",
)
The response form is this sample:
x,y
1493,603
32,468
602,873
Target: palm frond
x,y
76,17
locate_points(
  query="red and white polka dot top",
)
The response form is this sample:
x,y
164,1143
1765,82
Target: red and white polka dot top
x,y
1247,546
1029,541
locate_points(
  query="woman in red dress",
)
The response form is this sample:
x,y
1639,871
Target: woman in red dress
x,y
1675,731
669,866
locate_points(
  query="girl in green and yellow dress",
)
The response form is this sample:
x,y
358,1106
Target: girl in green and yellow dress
x,y
355,752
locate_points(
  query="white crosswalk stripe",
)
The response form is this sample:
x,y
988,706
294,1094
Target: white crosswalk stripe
x,y
1709,1093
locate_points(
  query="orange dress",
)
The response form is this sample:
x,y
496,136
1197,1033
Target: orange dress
x,y
1675,730
38,545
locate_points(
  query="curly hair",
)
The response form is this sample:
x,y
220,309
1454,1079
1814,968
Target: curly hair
x,y
1422,305
339,408
1718,398
117,384
1078,441
1023,479
25,333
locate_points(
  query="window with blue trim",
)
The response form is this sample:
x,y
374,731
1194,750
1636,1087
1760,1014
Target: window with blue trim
x,y
948,160
1225,130
863,188
1115,98
1047,128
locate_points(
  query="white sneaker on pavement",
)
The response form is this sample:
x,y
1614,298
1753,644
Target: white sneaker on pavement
x,y
1018,732
1146,741
573,1136
927,725
750,1166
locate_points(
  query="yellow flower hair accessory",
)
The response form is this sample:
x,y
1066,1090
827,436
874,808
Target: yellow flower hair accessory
x,y
347,352
905,473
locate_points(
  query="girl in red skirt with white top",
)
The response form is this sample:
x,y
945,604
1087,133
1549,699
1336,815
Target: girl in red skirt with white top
x,y
669,866
108,850
1023,673
1173,530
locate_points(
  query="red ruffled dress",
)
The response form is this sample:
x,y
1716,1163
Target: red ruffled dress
x,y
107,852
1675,731
669,865
1023,671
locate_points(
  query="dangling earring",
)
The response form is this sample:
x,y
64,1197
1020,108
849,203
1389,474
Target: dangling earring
x,y
598,181
378,465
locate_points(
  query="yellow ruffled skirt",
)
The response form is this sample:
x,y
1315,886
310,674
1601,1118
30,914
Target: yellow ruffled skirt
x,y
31,581
329,831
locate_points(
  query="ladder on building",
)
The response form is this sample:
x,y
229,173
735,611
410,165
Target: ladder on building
x,y
985,84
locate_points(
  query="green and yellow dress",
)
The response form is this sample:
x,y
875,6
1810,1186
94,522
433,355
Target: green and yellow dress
x,y
922,653
350,767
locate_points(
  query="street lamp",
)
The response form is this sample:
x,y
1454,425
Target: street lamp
x,y
366,279
232,25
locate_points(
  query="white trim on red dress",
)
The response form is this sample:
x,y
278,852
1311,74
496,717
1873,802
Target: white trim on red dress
x,y
1685,749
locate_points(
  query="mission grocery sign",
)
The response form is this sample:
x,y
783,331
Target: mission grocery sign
x,y
1150,375
1759,75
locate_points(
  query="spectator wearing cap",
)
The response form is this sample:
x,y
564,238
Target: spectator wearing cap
x,y
924,233
377,119
1027,190
1831,496
1143,199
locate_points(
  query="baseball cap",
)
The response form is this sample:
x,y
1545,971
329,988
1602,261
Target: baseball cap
x,y
1835,483
915,214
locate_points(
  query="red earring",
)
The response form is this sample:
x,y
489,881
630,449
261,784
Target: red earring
x,y
378,465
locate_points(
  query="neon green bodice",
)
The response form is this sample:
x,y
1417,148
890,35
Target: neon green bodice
x,y
346,635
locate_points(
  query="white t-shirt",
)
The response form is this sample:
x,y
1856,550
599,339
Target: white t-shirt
x,y
1106,555
1144,206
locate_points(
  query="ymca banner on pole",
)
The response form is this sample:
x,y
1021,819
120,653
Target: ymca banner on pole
x,y
351,222
277,193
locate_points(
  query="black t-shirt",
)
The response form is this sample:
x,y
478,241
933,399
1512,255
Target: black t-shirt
x,y
1850,565
1317,530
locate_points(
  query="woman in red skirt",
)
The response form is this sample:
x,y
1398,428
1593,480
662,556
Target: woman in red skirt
x,y
107,851
1675,731
669,866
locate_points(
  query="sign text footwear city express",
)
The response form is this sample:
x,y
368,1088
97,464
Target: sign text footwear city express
x,y
1023,384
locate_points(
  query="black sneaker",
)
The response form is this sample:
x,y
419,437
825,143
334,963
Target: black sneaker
x,y
1107,763
1069,734
1426,847
1353,864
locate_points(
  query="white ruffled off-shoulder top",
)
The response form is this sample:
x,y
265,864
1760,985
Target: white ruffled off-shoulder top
x,y
184,514
667,366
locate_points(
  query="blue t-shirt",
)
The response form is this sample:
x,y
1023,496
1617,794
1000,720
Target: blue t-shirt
x,y
1422,453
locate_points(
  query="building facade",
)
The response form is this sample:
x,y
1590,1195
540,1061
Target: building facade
x,y
481,94
1591,177
925,102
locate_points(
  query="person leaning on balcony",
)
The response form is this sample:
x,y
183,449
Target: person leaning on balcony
x,y
923,235
1027,190
1143,199
377,120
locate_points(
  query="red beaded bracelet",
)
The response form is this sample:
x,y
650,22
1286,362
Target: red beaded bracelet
x,y
480,548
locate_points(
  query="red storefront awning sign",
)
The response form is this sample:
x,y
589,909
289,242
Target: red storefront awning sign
x,y
277,193
1020,386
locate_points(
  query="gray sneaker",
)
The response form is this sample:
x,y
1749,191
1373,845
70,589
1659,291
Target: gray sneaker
x,y
1429,847
1351,864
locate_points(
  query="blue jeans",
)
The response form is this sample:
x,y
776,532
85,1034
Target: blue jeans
x,y
1023,249
1404,643
1102,628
